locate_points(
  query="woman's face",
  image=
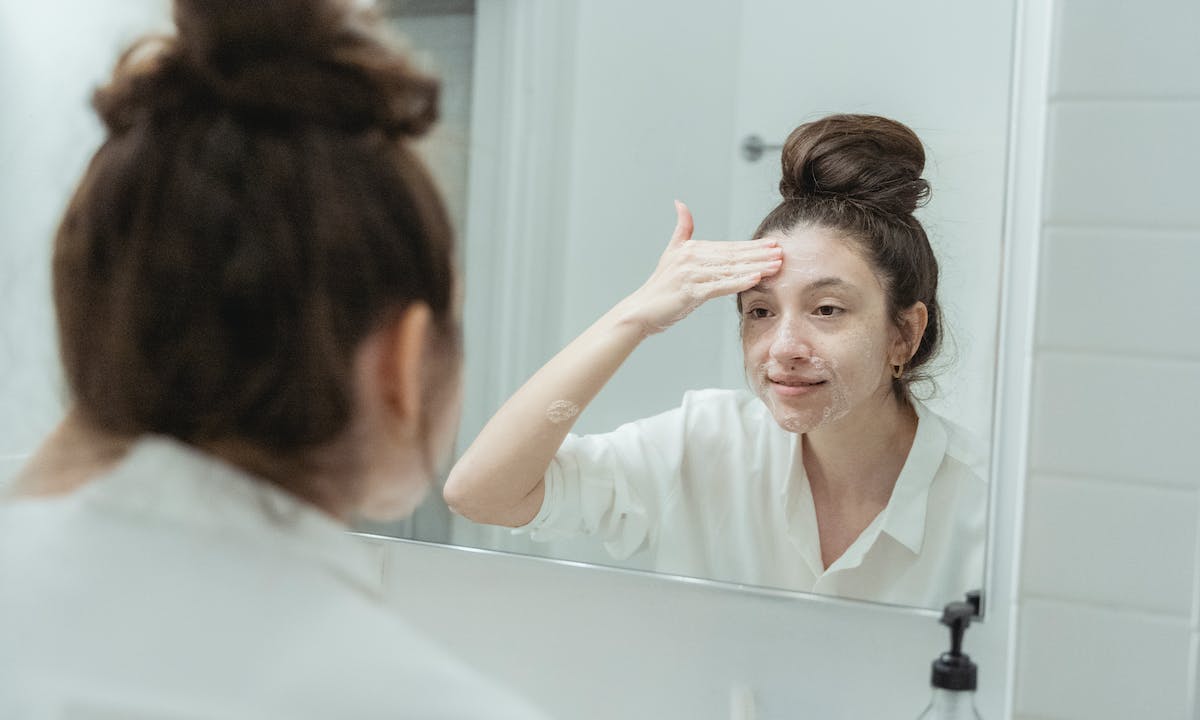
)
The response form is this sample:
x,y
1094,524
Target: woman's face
x,y
817,338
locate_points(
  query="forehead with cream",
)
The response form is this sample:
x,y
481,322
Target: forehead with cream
x,y
817,259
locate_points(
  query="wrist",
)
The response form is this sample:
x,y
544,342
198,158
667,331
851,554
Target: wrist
x,y
625,320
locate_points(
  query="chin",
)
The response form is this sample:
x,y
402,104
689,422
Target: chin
x,y
795,418
797,422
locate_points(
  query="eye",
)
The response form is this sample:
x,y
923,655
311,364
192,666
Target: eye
x,y
829,311
758,313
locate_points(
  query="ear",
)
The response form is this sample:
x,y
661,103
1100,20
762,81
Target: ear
x,y
912,328
404,365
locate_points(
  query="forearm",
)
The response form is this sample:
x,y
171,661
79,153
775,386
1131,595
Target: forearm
x,y
498,480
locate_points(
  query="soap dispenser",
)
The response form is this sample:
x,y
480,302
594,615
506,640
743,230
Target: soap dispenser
x,y
954,674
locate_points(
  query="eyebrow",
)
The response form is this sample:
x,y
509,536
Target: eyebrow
x,y
826,282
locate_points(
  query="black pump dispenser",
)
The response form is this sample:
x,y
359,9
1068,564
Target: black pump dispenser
x,y
954,670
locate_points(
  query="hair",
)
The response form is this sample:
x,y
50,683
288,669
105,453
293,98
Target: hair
x,y
254,214
860,175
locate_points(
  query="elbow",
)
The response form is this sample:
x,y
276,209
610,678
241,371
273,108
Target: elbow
x,y
458,496
467,496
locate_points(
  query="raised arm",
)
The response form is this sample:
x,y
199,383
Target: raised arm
x,y
498,480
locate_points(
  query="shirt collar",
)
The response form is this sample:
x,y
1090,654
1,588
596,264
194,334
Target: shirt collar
x,y
902,519
168,481
904,516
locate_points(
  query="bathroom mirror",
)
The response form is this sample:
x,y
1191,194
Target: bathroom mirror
x,y
568,129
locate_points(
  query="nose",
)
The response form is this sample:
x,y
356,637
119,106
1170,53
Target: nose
x,y
791,342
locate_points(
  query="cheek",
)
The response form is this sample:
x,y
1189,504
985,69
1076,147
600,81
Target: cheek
x,y
863,353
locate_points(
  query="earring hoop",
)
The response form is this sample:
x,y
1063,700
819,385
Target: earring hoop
x,y
898,371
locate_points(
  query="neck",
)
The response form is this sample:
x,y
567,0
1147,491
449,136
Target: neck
x,y
307,477
72,454
856,461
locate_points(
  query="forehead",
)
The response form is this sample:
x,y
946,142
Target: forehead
x,y
814,254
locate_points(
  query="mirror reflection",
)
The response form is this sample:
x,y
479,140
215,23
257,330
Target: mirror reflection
x,y
789,388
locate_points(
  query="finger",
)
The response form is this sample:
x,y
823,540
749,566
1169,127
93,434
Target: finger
x,y
719,255
683,224
725,264
725,271
731,285
735,249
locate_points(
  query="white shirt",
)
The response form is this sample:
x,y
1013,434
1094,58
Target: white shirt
x,y
717,489
177,586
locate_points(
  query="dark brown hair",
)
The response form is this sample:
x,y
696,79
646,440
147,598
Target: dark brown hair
x,y
253,215
861,175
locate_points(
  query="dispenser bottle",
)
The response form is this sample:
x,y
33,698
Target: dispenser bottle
x,y
954,675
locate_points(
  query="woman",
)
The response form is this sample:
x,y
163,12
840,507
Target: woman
x,y
256,308
832,477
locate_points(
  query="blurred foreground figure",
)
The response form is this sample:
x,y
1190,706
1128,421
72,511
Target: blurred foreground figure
x,y
256,308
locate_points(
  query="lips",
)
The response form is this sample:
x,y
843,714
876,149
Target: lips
x,y
792,387
796,382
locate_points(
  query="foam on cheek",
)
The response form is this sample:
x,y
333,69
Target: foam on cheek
x,y
829,404
806,414
839,404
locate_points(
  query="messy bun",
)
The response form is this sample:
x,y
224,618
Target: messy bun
x,y
865,159
254,214
860,175
275,61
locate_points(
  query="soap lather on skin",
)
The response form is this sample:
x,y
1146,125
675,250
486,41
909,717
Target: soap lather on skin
x,y
560,411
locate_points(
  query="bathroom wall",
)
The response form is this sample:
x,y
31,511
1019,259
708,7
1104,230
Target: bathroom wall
x,y
1108,591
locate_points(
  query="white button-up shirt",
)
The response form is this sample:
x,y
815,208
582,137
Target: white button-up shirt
x,y
177,586
716,489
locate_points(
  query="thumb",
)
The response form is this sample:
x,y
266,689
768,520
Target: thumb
x,y
683,224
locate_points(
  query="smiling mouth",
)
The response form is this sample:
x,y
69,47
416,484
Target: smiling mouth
x,y
797,383
795,388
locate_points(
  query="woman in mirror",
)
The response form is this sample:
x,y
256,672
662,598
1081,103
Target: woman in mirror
x,y
257,314
831,477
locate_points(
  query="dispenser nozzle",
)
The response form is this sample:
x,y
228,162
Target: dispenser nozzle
x,y
957,616
954,670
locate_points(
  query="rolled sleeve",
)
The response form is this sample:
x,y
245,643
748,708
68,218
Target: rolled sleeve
x,y
611,485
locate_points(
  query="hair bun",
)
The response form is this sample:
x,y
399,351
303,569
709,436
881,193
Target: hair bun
x,y
315,60
867,159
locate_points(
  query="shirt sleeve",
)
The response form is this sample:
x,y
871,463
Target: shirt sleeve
x,y
612,485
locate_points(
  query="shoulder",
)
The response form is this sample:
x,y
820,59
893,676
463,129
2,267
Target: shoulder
x,y
316,645
965,455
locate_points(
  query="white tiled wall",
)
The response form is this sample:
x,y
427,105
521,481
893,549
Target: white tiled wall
x,y
1110,568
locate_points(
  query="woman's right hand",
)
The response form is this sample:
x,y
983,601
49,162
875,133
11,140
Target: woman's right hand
x,y
691,272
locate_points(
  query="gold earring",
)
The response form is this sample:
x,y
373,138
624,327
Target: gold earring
x,y
898,371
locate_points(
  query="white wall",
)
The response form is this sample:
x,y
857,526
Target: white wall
x,y
1108,598
652,120
51,56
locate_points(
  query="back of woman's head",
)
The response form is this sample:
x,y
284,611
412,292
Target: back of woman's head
x,y
860,175
253,215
